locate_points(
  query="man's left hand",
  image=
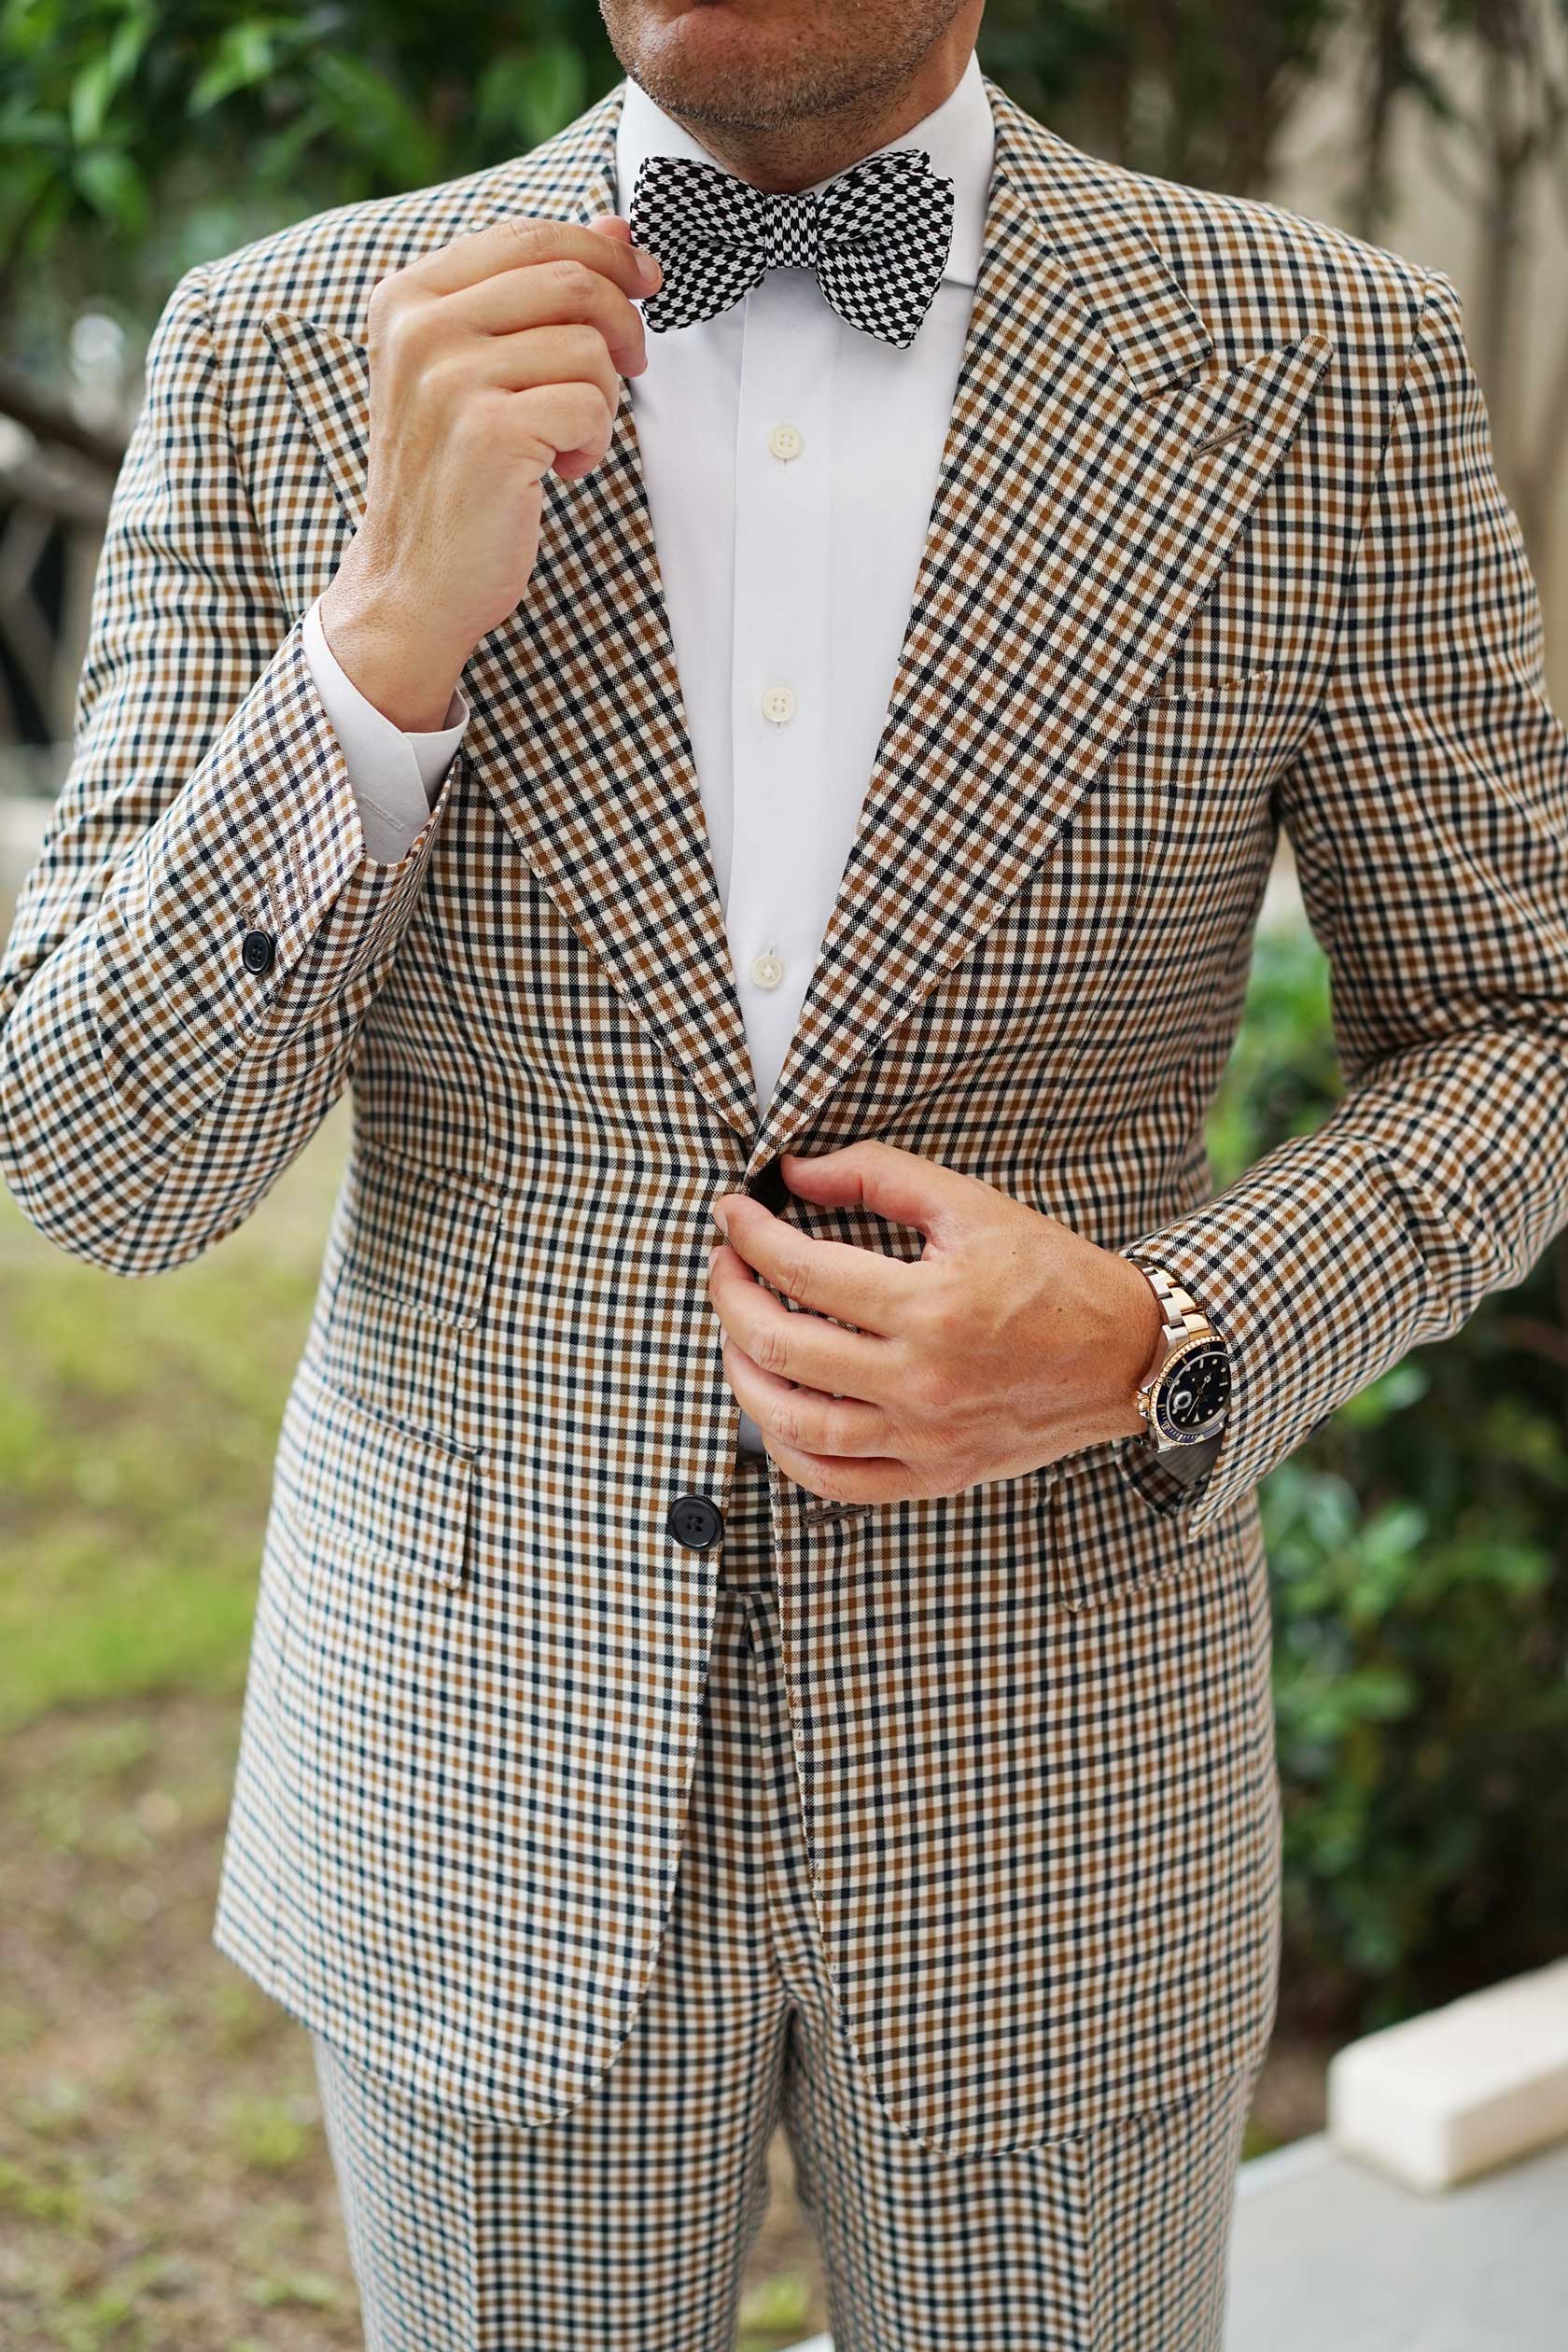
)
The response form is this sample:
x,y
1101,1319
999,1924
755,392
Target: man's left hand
x,y
1011,1341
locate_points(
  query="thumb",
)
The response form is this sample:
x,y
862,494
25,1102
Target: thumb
x,y
613,224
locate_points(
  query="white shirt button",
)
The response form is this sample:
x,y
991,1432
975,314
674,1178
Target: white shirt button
x,y
779,704
766,971
786,442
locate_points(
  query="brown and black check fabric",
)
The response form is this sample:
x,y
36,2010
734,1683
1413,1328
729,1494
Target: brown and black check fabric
x,y
1217,545
626,2221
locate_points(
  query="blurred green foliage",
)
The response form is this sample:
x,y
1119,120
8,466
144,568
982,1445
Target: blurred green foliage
x,y
138,136
324,101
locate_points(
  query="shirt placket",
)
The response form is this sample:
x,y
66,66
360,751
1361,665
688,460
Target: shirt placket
x,y
779,708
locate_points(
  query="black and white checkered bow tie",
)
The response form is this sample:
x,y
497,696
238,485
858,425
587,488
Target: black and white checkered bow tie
x,y
877,237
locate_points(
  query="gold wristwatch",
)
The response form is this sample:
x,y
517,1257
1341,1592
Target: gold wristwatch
x,y
1187,1389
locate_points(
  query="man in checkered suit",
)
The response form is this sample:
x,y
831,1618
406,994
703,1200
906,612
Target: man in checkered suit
x,y
846,748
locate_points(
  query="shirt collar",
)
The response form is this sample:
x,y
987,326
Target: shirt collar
x,y
959,136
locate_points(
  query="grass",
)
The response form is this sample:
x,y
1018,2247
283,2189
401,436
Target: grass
x,y
162,2177
135,1450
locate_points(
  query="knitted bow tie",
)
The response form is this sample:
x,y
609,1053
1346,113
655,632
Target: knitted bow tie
x,y
877,237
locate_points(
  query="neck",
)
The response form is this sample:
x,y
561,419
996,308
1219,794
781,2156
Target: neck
x,y
794,155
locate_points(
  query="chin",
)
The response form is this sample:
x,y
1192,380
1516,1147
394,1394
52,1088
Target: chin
x,y
722,60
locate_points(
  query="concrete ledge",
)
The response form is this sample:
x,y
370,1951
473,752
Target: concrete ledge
x,y
1454,2093
1329,2257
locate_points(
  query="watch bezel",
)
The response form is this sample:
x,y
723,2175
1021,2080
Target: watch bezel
x,y
1157,1390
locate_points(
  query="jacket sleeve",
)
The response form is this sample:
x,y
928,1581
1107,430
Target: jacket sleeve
x,y
1428,809
152,1085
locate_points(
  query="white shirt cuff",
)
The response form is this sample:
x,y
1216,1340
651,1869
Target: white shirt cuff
x,y
394,776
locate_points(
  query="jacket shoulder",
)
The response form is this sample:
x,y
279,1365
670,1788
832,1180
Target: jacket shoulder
x,y
1260,272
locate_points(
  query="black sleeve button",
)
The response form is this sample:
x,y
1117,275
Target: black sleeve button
x,y
257,950
696,1522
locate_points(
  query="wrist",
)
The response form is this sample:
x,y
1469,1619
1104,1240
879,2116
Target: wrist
x,y
1137,1346
386,653
1146,1322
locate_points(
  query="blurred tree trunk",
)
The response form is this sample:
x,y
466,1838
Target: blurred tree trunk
x,y
1542,477
1387,43
1522,135
1195,91
1508,133
1495,72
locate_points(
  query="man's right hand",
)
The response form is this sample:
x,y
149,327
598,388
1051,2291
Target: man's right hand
x,y
493,359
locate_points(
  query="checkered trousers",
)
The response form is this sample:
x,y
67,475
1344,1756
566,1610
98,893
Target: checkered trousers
x,y
626,2220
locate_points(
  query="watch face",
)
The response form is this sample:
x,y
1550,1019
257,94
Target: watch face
x,y
1194,1390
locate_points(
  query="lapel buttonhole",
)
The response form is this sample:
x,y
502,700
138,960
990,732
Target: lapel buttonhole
x,y
1218,440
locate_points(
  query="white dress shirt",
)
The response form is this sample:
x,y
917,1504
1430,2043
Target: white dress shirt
x,y
790,462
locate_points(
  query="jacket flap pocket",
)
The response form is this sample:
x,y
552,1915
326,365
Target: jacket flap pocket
x,y
1250,678
418,1236
1103,1536
368,1485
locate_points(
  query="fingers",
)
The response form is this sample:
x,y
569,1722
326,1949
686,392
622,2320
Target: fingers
x,y
568,425
517,239
569,354
820,1355
834,1278
804,1421
563,291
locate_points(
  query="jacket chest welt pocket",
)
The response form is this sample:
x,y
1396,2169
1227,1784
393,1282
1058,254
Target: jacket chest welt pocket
x,y
1104,1539
365,1487
418,1236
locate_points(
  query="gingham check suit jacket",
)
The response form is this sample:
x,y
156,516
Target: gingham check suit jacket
x,y
1217,544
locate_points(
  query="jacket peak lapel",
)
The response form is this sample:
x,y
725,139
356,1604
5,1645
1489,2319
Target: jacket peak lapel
x,y
1075,529
578,728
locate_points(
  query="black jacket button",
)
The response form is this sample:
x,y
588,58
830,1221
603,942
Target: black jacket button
x,y
695,1522
768,1186
257,950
